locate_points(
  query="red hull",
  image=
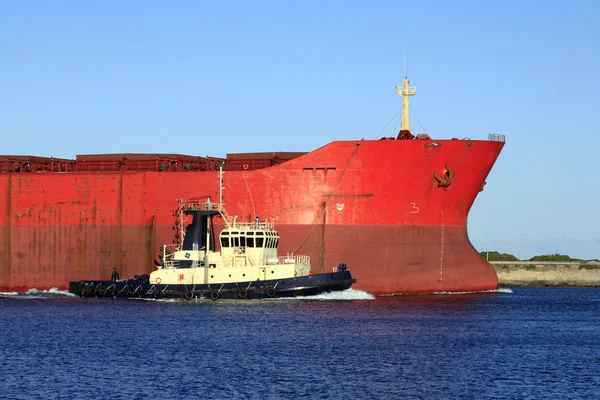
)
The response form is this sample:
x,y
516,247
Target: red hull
x,y
374,205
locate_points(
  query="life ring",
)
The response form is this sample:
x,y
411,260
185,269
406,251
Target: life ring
x,y
101,290
158,281
270,292
240,250
245,166
188,295
242,294
214,295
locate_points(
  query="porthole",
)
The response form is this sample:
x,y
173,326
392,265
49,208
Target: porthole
x,y
212,276
272,272
230,275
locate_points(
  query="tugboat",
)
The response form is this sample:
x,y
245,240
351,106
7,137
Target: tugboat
x,y
247,267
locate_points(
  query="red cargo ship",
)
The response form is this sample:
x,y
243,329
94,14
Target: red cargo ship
x,y
394,210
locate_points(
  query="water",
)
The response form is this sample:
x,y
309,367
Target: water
x,y
525,343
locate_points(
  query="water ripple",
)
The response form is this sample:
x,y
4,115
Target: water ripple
x,y
530,343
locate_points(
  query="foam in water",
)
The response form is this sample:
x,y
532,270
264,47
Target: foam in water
x,y
33,293
348,294
501,290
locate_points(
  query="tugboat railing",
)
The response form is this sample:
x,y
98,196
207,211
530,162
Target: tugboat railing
x,y
169,262
231,222
269,226
287,260
200,206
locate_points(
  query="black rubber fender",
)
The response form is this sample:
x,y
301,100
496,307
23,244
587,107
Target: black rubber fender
x,y
270,292
214,295
188,295
77,288
242,294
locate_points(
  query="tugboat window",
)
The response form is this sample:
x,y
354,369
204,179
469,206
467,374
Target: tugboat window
x,y
243,241
236,242
276,242
250,242
224,242
259,242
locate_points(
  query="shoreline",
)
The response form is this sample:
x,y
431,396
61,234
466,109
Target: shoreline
x,y
547,273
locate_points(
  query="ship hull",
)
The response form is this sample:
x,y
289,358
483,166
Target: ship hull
x,y
275,288
379,206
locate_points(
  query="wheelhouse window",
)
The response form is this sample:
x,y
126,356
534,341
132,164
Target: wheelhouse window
x,y
224,242
260,242
250,242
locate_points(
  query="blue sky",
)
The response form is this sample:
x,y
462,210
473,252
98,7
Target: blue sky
x,y
212,78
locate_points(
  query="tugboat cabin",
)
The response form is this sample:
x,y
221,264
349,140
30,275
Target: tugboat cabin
x,y
248,251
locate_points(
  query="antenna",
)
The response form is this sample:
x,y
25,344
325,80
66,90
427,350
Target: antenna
x,y
404,58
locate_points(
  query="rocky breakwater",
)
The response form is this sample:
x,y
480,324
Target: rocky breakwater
x,y
548,273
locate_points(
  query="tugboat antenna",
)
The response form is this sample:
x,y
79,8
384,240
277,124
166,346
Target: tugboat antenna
x,y
220,187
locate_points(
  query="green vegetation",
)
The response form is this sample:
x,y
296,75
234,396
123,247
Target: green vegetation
x,y
553,257
496,256
589,266
530,267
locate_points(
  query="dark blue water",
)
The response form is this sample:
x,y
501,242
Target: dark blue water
x,y
533,343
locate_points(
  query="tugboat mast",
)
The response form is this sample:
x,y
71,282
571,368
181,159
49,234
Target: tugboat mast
x,y
405,91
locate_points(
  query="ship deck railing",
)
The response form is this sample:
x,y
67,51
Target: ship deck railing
x,y
496,137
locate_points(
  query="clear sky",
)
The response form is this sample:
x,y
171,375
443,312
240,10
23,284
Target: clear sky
x,y
210,78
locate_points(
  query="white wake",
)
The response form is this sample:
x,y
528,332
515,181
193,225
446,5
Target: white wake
x,y
348,294
38,294
501,290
